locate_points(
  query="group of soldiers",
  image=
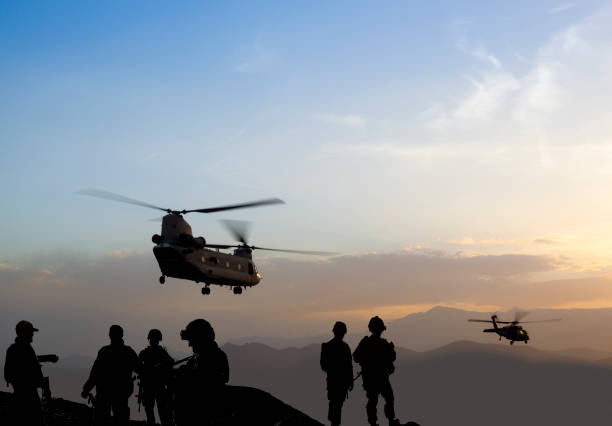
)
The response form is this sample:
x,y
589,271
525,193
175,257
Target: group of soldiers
x,y
375,355
183,394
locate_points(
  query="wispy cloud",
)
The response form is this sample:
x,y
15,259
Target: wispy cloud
x,y
351,120
561,8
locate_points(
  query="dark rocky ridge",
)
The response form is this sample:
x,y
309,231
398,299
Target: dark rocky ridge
x,y
248,406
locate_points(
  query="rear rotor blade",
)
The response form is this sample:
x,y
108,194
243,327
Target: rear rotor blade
x,y
238,228
316,253
548,320
116,197
479,320
258,203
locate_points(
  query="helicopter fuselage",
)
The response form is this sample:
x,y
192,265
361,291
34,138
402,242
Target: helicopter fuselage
x,y
514,333
206,265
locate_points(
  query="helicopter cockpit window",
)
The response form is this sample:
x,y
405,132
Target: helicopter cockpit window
x,y
251,271
203,259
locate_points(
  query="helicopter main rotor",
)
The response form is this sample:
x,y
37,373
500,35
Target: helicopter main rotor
x,y
122,199
517,319
240,230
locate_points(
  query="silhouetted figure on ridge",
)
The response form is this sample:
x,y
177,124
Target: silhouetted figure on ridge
x,y
376,356
336,361
200,384
111,375
22,371
154,377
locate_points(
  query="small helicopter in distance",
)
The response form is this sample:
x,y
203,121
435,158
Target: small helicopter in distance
x,y
181,255
512,332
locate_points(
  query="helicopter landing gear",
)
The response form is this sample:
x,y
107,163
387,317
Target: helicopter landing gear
x,y
205,290
237,290
162,279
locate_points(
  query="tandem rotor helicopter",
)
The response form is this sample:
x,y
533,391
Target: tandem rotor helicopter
x,y
181,255
512,332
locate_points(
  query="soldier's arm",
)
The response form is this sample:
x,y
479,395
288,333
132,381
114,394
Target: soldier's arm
x,y
224,367
93,377
323,360
136,363
8,366
357,355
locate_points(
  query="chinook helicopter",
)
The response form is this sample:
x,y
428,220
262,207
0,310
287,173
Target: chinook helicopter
x,y
512,332
181,255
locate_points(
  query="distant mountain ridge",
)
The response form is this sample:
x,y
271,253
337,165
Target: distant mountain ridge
x,y
423,331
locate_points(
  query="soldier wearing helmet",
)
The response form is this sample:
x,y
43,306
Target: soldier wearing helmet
x,y
156,366
336,361
22,371
376,356
111,375
200,383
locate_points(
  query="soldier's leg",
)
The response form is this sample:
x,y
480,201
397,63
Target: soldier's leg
x,y
102,411
121,411
148,401
163,408
336,396
386,392
371,406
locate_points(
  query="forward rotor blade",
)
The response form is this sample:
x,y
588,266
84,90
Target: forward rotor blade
x,y
265,202
116,197
221,246
316,253
238,228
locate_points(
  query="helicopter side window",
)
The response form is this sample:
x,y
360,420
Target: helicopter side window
x,y
239,267
227,264
213,260
251,271
203,259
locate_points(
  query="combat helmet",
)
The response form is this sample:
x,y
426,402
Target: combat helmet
x,y
198,329
154,334
339,327
376,324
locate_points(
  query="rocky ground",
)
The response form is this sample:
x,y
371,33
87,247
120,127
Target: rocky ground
x,y
247,406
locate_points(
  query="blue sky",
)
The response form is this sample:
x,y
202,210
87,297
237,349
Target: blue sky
x,y
462,128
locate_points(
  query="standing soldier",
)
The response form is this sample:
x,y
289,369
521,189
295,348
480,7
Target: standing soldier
x,y
200,384
156,366
111,375
22,371
376,356
336,361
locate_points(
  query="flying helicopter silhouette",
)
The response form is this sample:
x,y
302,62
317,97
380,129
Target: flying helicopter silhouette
x,y
513,332
181,255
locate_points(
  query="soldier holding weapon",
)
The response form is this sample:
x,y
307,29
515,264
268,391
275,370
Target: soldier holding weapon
x,y
22,371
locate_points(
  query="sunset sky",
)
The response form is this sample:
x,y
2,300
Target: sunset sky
x,y
454,154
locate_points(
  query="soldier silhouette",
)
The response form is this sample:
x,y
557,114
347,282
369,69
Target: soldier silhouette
x,y
22,371
111,375
376,356
336,361
156,368
200,384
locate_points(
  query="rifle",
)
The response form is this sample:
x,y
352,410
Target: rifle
x,y
47,398
139,395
